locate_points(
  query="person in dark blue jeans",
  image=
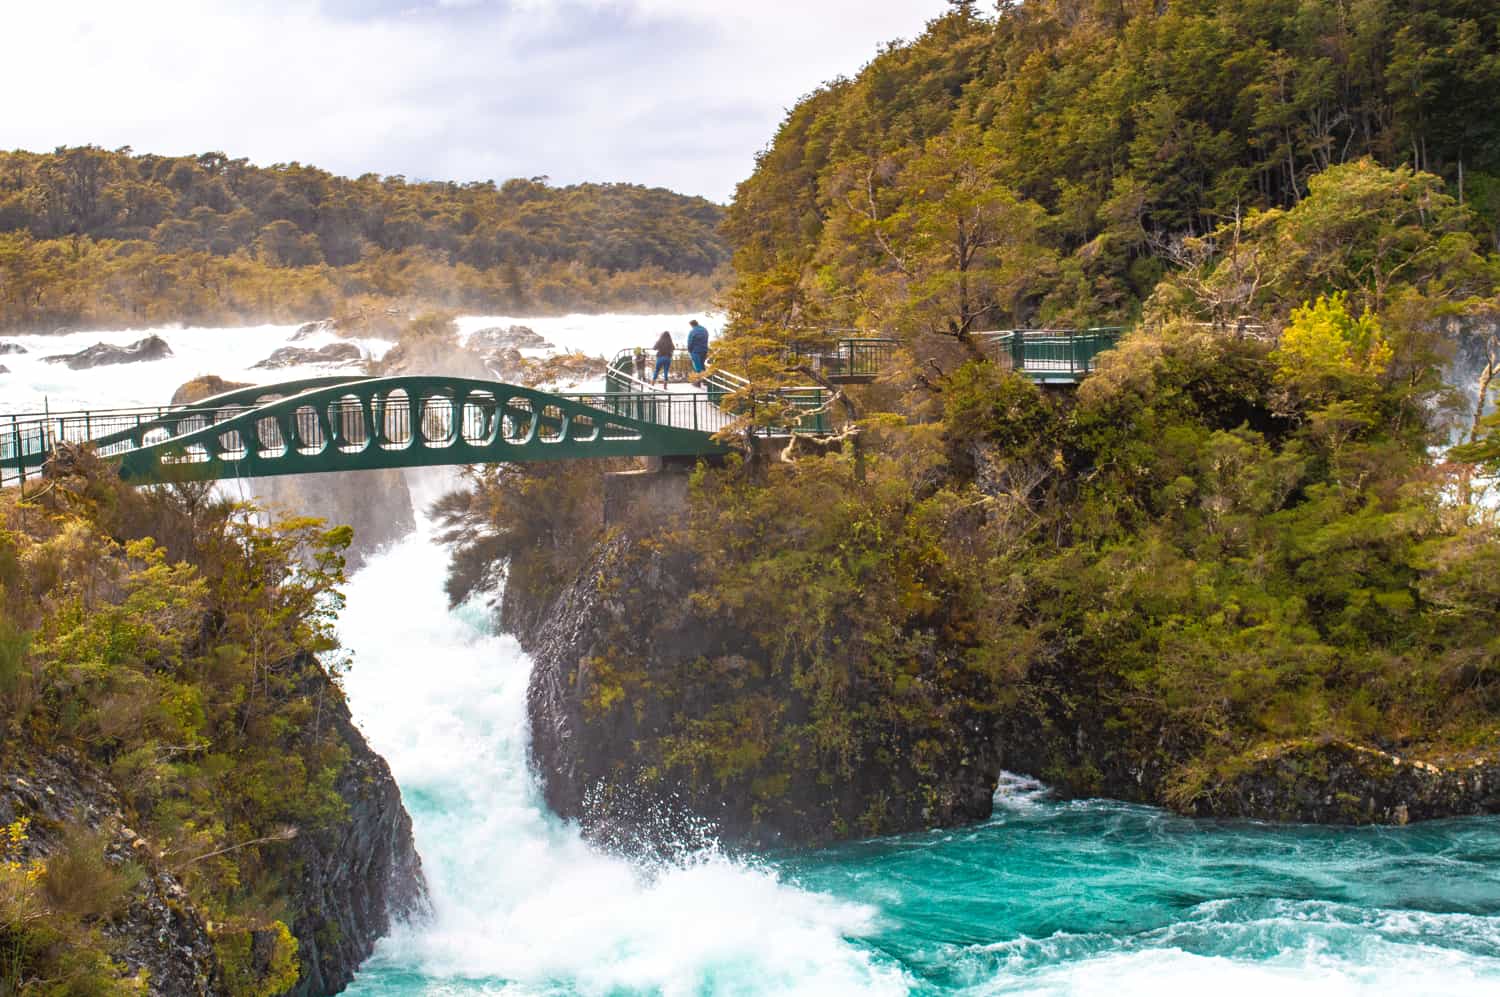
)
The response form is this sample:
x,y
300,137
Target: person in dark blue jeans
x,y
664,349
697,346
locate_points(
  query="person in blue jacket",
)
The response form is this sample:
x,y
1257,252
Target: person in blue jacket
x,y
697,346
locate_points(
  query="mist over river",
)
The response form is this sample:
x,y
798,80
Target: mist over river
x,y
1045,898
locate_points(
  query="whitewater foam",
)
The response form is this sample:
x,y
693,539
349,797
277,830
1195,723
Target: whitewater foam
x,y
520,900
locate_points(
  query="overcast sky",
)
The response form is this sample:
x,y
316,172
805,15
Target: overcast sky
x,y
677,93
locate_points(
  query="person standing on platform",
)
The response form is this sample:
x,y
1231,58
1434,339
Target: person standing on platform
x,y
664,350
697,346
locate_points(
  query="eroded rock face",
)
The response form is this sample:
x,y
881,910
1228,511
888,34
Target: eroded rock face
x,y
334,354
630,610
106,354
351,881
359,877
1339,782
378,504
160,930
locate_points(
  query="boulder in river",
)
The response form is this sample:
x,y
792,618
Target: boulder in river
x,y
517,337
107,354
313,328
4,369
11,349
334,354
203,387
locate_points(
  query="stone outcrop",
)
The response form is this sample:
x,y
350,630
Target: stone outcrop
x,y
1339,782
11,349
106,354
334,354
350,881
516,337
626,676
357,878
159,931
629,609
4,369
203,387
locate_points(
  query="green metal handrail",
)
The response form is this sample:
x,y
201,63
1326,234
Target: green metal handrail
x,y
1051,355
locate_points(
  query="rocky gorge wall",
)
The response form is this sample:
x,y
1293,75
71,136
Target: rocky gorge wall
x,y
349,880
647,717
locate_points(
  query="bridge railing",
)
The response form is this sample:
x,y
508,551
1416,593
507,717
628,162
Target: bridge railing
x,y
719,384
1050,354
852,358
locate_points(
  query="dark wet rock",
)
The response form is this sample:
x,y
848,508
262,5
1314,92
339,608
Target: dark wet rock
x,y
11,349
313,328
1340,782
203,387
106,354
356,879
334,354
596,766
516,337
4,369
160,931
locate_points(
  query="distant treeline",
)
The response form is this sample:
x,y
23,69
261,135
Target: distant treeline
x,y
89,236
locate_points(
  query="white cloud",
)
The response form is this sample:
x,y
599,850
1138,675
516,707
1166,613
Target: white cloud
x,y
671,92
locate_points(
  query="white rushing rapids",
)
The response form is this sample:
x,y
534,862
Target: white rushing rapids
x,y
521,903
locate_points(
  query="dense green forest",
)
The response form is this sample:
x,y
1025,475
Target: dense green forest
x,y
89,236
1049,165
1231,545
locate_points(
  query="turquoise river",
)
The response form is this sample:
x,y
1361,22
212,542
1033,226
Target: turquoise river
x,y
1046,898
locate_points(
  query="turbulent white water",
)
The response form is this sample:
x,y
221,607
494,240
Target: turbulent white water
x,y
522,904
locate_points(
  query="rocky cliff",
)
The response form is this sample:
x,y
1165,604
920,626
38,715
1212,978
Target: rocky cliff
x,y
347,881
354,878
649,718
638,768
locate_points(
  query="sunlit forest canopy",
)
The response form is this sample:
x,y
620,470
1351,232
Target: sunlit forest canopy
x,y
89,235
1049,162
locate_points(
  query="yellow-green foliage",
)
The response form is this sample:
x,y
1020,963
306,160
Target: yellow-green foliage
x,y
258,963
182,669
1324,341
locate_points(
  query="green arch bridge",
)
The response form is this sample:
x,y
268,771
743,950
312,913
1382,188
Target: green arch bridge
x,y
359,423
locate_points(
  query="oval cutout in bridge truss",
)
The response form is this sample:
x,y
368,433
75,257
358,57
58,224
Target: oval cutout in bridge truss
x,y
551,425
520,420
268,433
615,431
310,438
394,413
583,429
480,411
350,430
232,446
437,421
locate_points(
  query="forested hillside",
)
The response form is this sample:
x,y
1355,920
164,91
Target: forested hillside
x,y
91,236
1048,165
1238,570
